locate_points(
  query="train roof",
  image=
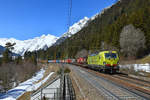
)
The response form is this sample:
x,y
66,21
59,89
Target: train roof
x,y
93,54
103,52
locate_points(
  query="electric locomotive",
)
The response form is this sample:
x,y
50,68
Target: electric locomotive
x,y
106,61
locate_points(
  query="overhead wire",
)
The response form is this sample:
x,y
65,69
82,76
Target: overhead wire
x,y
69,23
69,14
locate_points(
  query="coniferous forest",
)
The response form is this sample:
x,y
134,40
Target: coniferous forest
x,y
117,28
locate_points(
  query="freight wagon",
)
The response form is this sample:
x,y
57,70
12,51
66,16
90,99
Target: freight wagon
x,y
81,60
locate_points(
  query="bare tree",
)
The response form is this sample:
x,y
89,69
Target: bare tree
x,y
131,40
105,46
82,53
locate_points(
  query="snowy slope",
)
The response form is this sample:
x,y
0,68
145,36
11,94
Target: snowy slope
x,y
76,27
28,85
30,45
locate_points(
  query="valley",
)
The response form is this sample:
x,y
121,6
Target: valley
x,y
100,56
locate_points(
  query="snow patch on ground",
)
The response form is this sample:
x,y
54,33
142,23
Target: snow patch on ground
x,y
138,67
37,85
28,85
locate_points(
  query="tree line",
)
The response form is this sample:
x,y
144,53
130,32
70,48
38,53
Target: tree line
x,y
108,32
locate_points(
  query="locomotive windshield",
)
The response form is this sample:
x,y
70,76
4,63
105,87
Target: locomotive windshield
x,y
110,55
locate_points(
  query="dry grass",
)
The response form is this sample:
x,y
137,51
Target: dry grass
x,y
48,69
25,96
144,60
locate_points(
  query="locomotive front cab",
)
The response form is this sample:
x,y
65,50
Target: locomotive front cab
x,y
110,61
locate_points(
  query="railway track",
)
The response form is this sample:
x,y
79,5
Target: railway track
x,y
69,93
137,82
136,87
109,90
126,77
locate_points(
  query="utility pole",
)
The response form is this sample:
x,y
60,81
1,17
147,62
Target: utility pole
x,y
68,26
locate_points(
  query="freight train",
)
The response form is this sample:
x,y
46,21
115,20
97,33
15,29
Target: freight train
x,y
105,61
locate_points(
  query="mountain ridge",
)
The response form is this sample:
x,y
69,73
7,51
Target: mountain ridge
x,y
34,44
103,33
75,28
45,41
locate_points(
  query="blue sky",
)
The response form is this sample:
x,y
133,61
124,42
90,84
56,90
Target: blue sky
x,y
25,19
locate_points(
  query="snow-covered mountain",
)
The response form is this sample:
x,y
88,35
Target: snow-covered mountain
x,y
36,43
76,27
46,41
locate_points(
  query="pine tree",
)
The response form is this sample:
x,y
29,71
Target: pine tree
x,y
7,54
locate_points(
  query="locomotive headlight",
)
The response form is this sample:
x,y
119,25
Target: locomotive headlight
x,y
118,63
104,63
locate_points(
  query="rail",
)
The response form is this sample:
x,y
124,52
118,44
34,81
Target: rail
x,y
122,84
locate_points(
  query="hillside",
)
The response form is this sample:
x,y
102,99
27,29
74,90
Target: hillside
x,y
76,27
126,17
